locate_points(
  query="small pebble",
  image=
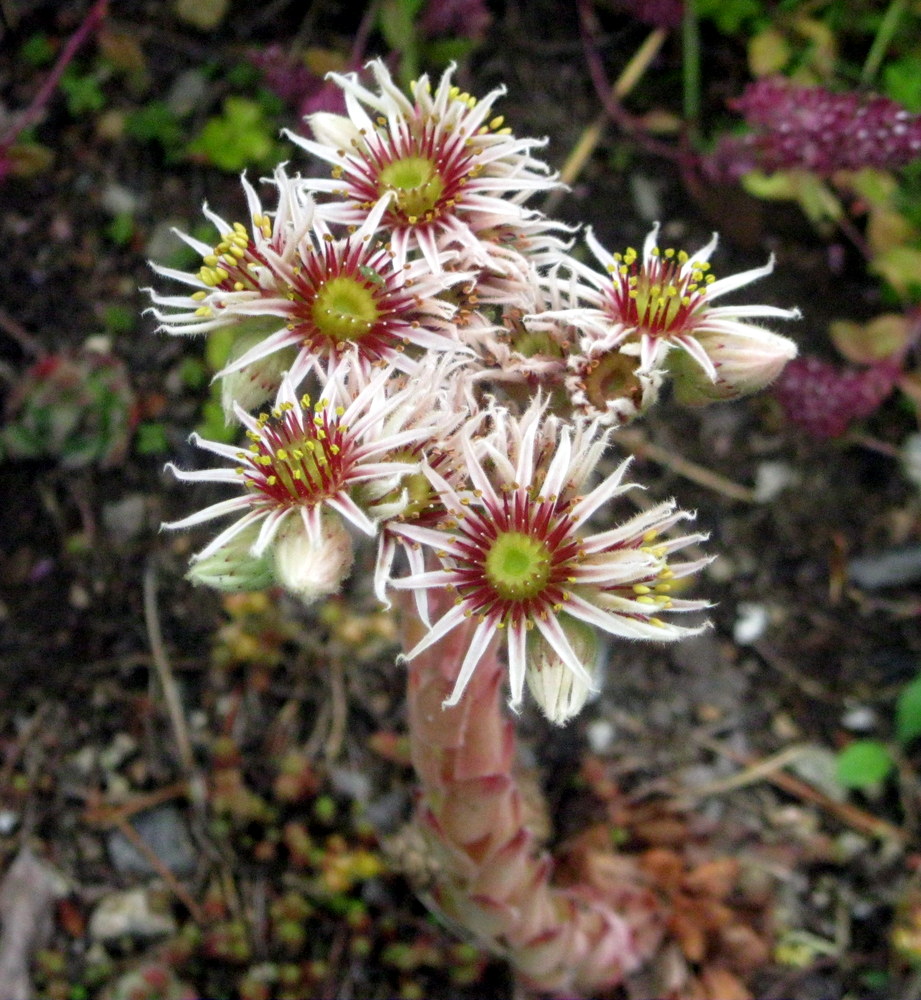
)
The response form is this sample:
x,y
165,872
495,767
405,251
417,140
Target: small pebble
x,y
772,478
165,832
890,568
128,914
600,734
751,622
860,719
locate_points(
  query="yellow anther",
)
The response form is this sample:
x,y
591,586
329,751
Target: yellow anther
x,y
640,588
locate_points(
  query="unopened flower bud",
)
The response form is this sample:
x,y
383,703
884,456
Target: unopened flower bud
x,y
556,688
744,363
233,567
314,568
251,386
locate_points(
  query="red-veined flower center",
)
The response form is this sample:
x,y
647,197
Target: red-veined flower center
x,y
416,183
517,565
660,297
296,458
344,309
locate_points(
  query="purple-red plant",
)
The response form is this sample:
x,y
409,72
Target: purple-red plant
x,y
824,399
812,128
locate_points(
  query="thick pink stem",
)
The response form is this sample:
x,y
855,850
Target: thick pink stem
x,y
495,879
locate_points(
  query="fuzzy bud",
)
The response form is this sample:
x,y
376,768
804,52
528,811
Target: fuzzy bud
x,y
559,692
744,364
251,386
314,568
233,567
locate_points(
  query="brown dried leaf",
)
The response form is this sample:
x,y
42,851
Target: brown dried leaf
x,y
715,982
714,878
742,948
865,343
690,934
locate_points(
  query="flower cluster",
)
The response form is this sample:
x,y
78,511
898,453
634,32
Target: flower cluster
x,y
419,361
815,129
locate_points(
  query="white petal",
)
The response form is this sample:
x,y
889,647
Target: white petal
x,y
482,636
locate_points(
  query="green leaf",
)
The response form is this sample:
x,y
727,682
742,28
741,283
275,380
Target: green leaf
x,y
121,229
213,425
902,81
863,763
239,137
83,93
730,16
154,122
37,50
908,712
396,24
151,439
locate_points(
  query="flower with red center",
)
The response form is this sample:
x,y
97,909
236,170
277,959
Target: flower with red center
x,y
308,460
296,285
514,551
649,303
448,164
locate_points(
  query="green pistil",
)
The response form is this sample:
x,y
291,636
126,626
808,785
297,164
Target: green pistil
x,y
416,183
612,376
344,309
517,565
537,344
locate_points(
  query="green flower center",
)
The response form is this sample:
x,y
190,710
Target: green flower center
x,y
517,566
537,343
344,309
612,376
416,184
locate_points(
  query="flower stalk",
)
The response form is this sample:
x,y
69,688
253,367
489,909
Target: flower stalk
x,y
496,881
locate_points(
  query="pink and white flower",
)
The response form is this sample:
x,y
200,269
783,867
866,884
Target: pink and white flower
x,y
447,162
647,304
309,459
292,283
515,550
